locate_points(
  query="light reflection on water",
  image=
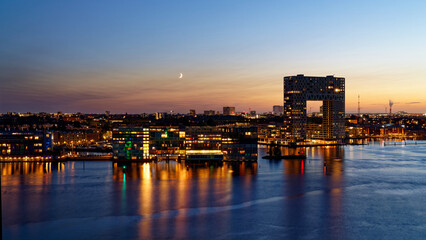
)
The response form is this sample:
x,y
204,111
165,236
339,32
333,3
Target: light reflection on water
x,y
328,195
174,170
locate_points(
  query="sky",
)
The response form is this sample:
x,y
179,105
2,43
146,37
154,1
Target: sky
x,y
126,56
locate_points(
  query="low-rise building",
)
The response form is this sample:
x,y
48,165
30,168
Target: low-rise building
x,y
25,145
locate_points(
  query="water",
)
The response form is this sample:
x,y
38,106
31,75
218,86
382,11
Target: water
x,y
361,192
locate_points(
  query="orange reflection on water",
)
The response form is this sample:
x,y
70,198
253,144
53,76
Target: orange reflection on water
x,y
321,172
180,170
176,186
293,166
40,172
38,176
333,161
332,157
24,168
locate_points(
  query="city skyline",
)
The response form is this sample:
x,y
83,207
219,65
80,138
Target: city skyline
x,y
129,57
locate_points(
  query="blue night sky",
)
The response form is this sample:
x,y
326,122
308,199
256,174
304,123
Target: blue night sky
x,y
126,56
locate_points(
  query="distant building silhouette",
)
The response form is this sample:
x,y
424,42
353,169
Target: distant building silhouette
x,y
209,112
228,110
277,109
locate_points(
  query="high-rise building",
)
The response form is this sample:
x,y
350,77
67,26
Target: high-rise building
x,y
228,110
192,113
300,89
277,109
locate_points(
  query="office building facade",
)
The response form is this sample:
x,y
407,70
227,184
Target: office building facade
x,y
131,143
25,145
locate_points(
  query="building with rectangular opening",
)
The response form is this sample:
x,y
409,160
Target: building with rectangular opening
x,y
330,90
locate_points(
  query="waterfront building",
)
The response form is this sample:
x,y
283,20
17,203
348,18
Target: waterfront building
x,y
19,145
131,143
166,142
246,134
300,89
228,111
146,143
194,143
203,143
393,132
271,134
240,152
357,132
239,142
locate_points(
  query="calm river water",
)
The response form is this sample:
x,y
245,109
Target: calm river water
x,y
361,192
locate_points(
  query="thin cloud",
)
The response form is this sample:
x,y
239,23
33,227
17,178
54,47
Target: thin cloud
x,y
413,102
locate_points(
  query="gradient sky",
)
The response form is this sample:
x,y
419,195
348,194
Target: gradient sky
x,y
126,56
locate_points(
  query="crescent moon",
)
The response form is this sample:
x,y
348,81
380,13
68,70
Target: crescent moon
x,y
181,75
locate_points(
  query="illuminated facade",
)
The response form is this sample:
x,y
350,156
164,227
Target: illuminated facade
x,y
75,138
239,143
194,143
130,143
159,115
146,143
271,134
203,143
25,145
330,90
166,142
